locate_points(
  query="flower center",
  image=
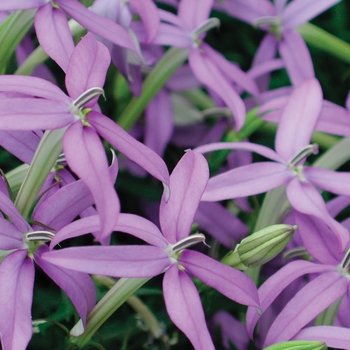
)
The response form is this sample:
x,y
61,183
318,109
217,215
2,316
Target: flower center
x,y
174,250
76,107
35,238
204,28
272,24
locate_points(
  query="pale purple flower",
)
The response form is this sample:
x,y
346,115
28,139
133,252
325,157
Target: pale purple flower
x,y
280,19
292,147
22,244
168,253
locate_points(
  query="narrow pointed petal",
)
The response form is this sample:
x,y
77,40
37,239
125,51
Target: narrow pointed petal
x,y
218,221
33,86
148,12
9,209
315,297
231,70
300,11
86,157
21,144
306,199
318,239
64,205
54,35
159,122
246,181
77,228
130,147
78,286
296,57
187,184
194,12
10,236
247,10
34,114
16,295
9,5
116,261
87,67
299,119
329,180
269,291
209,74
228,281
96,24
184,307
243,146
334,337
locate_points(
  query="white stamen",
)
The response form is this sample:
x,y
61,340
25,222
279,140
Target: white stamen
x,y
271,21
185,243
39,236
84,98
205,27
304,153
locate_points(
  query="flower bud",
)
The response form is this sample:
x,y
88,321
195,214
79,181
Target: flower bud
x,y
298,345
262,246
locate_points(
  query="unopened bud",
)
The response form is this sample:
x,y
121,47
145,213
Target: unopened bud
x,y
262,246
298,345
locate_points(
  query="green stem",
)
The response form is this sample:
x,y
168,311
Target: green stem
x,y
327,317
12,31
115,297
325,41
155,80
45,157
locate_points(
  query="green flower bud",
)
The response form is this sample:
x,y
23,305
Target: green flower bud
x,y
260,247
298,345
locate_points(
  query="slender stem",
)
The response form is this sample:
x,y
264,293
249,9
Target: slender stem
x,y
115,297
50,147
155,80
325,41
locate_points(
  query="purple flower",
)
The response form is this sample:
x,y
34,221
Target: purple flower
x,y
292,147
169,253
24,245
280,20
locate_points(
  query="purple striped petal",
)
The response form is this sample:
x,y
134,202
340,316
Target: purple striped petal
x,y
87,67
130,147
184,308
220,223
33,86
78,286
300,11
244,146
315,297
228,281
296,57
159,122
246,181
210,75
10,236
34,114
299,119
16,295
329,180
9,5
306,199
54,35
96,24
86,157
194,12
231,71
187,184
116,261
148,12
335,337
269,291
